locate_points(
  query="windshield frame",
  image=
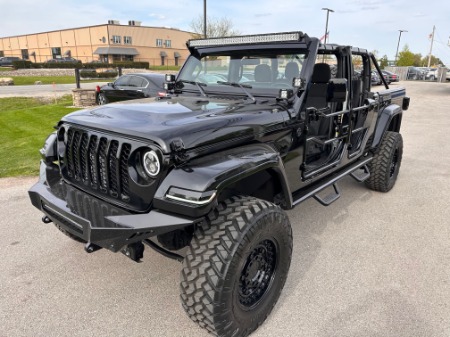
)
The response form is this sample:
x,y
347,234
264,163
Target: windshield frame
x,y
289,52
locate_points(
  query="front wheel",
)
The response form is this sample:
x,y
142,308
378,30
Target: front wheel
x,y
385,166
236,266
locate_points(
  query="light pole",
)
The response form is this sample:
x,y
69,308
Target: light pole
x,y
326,25
398,44
204,19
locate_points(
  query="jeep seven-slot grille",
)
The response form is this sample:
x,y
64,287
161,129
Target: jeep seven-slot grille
x,y
98,162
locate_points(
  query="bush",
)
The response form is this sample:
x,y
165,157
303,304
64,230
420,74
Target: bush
x,y
60,65
22,64
88,73
108,74
56,65
96,65
93,74
131,64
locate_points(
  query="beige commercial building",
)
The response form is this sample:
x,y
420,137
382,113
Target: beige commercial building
x,y
109,42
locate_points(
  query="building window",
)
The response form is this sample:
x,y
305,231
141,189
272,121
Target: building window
x,y
128,58
56,52
162,60
168,43
127,40
116,58
2,54
159,43
25,55
116,39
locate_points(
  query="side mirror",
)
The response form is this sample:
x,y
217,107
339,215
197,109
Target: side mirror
x,y
337,90
405,103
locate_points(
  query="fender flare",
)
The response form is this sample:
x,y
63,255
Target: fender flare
x,y
204,178
384,122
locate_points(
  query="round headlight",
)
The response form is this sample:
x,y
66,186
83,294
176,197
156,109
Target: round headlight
x,y
151,163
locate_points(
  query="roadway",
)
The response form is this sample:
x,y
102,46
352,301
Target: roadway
x,y
371,264
43,90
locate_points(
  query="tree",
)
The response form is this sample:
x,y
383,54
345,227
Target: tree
x,y
405,57
384,62
435,61
214,27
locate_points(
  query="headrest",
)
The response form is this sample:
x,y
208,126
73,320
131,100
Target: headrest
x,y
321,73
263,73
291,70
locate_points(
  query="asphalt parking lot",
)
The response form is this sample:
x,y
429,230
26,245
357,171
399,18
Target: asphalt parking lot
x,y
369,265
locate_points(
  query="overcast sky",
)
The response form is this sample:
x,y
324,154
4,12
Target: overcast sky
x,y
370,24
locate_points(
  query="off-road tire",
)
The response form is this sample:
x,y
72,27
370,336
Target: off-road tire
x,y
73,237
236,266
385,166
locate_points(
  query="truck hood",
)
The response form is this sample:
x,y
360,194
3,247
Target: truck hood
x,y
193,120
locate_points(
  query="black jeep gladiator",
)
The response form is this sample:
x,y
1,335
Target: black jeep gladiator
x,y
252,126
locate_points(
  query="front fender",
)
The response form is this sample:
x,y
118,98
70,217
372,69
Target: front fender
x,y
387,116
193,189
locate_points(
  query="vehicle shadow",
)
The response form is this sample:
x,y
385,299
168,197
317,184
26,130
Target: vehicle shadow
x,y
310,220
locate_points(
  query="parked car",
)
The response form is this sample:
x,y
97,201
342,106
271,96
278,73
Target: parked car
x,y
390,76
375,78
132,86
447,76
8,60
432,74
415,73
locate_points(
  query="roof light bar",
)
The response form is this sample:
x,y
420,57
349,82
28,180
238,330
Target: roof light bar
x,y
246,39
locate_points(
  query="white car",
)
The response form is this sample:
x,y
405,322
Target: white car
x,y
431,74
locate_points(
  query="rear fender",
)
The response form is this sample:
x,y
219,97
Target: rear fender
x,y
193,189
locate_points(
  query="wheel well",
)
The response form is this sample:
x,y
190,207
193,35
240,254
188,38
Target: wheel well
x,y
395,123
262,185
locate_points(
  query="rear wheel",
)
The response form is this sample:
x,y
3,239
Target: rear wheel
x,y
101,99
236,266
385,166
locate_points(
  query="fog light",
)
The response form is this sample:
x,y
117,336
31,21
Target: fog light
x,y
151,164
285,94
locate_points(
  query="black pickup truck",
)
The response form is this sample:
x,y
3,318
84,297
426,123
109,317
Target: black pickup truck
x,y
252,126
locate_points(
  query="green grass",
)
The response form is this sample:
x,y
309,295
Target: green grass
x,y
5,69
25,124
176,68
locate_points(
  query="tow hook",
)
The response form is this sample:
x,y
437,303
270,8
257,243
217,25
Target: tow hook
x,y
46,219
134,251
90,247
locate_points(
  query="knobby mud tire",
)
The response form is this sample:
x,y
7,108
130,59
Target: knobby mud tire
x,y
236,266
385,166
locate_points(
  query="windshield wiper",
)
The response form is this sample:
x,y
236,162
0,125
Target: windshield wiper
x,y
198,84
242,86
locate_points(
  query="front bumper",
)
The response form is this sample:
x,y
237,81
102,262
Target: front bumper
x,y
97,222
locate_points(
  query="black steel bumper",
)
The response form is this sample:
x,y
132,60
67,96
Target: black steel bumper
x,y
97,222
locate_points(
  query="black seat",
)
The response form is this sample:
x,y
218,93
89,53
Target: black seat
x,y
263,73
318,91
